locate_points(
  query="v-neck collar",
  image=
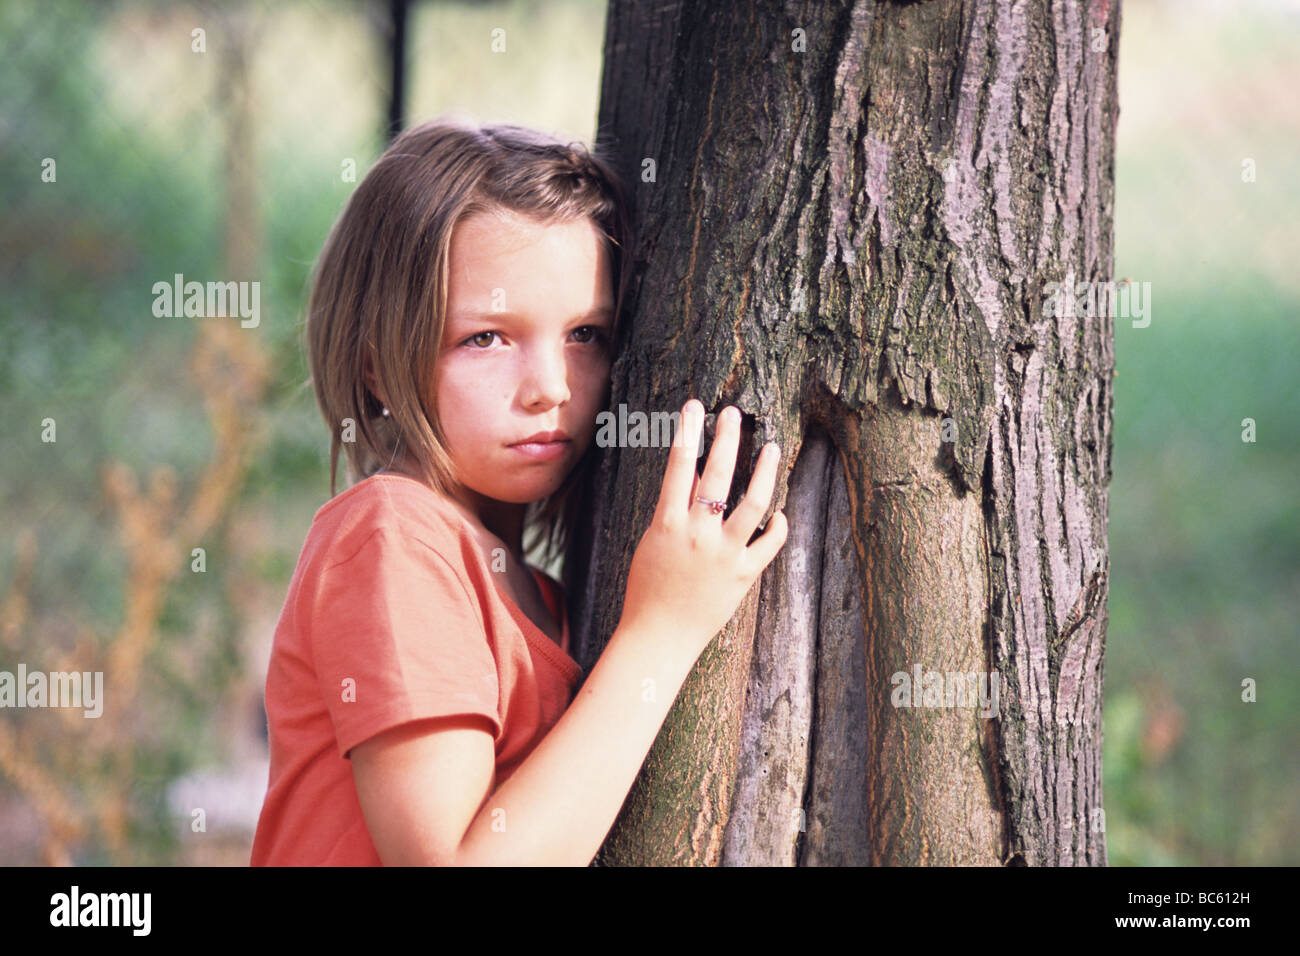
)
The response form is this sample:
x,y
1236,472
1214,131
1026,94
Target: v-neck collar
x,y
534,635
558,653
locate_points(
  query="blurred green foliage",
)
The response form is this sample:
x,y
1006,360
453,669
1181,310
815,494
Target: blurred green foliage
x,y
1205,527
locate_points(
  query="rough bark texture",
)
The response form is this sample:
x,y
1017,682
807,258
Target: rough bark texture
x,y
850,241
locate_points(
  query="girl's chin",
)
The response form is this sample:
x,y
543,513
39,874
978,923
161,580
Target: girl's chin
x,y
524,494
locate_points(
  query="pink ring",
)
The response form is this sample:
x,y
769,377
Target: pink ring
x,y
717,507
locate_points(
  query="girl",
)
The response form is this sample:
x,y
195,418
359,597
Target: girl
x,y
420,694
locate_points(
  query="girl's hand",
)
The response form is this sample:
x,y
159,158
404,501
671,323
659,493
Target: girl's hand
x,y
691,569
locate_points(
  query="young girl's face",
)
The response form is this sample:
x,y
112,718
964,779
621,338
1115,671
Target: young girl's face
x,y
525,349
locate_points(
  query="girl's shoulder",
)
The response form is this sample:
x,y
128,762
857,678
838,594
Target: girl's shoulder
x,y
385,504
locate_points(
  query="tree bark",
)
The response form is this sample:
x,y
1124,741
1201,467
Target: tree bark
x,y
848,214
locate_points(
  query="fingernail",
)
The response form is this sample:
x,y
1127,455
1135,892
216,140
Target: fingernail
x,y
732,413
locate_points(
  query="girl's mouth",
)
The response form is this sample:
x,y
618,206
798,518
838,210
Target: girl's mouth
x,y
542,450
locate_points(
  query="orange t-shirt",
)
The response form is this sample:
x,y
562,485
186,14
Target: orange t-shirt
x,y
392,616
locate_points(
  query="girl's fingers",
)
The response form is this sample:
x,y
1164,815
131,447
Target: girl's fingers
x,y
715,483
741,523
675,494
767,544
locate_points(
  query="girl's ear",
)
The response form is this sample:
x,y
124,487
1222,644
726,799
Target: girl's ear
x,y
368,376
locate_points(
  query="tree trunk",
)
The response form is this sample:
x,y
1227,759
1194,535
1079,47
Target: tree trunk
x,y
848,215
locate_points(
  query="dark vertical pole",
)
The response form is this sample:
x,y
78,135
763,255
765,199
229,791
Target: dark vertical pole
x,y
397,57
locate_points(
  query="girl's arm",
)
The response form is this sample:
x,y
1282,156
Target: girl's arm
x,y
427,789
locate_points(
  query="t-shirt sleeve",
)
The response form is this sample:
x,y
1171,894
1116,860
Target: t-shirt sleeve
x,y
396,637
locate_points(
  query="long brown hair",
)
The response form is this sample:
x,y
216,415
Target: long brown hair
x,y
379,290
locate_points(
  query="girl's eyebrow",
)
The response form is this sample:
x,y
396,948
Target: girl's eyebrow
x,y
468,315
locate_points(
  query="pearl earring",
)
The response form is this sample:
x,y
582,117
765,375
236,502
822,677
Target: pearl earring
x,y
385,411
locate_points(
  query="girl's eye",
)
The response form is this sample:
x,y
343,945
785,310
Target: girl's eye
x,y
587,334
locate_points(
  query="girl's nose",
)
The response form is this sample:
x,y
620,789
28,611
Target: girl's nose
x,y
546,380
